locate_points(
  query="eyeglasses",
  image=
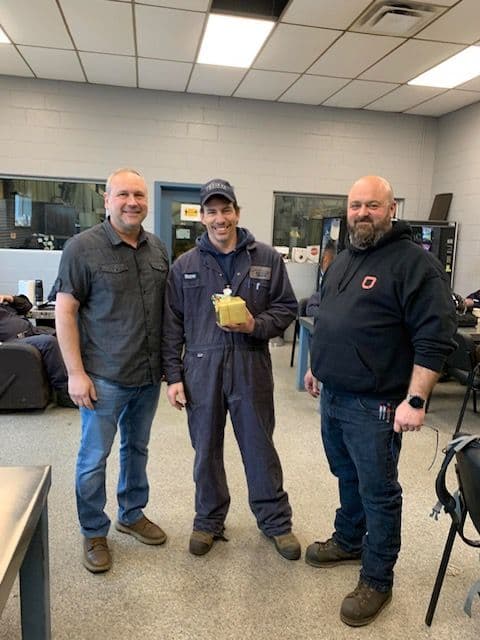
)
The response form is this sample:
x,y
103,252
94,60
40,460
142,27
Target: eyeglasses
x,y
435,430
374,205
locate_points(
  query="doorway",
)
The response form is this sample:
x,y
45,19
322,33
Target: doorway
x,y
176,216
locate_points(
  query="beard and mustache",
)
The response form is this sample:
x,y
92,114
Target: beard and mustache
x,y
365,232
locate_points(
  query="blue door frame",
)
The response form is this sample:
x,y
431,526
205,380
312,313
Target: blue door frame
x,y
163,192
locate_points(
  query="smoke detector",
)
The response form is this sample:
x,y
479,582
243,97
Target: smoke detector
x,y
402,19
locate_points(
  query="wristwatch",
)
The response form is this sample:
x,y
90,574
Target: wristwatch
x,y
416,402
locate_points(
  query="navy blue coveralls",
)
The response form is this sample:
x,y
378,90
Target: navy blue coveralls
x,y
229,372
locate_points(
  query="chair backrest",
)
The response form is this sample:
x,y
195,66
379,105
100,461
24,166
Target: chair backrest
x,y
463,358
468,469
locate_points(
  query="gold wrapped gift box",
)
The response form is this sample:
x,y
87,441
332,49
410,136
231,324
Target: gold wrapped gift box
x,y
230,310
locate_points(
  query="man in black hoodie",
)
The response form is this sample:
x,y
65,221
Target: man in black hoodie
x,y
384,329
212,369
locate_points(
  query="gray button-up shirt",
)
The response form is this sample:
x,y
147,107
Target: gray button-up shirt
x,y
120,289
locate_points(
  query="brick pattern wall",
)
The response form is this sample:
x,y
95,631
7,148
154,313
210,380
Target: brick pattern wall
x,y
457,170
72,130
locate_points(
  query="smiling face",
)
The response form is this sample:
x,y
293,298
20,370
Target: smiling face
x,y
371,208
220,218
126,203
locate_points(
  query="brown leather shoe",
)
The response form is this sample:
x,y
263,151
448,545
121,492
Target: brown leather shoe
x,y
96,555
329,554
144,530
363,605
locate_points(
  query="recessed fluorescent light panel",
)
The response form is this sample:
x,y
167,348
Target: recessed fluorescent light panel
x,y
3,38
233,42
456,70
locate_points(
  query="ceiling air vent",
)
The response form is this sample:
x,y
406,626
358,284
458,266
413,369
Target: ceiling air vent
x,y
402,19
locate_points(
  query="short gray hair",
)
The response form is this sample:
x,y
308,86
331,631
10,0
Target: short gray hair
x,y
121,170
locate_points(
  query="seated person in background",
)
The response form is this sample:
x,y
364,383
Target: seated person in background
x,y
472,301
327,257
15,326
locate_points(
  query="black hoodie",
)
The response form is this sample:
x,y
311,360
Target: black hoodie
x,y
382,310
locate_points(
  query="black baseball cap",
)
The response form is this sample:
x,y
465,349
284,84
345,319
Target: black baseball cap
x,y
217,187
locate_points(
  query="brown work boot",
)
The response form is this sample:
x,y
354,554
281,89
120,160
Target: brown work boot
x,y
200,542
363,605
96,554
287,546
329,554
144,530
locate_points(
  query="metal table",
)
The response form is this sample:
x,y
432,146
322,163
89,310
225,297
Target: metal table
x,y
24,545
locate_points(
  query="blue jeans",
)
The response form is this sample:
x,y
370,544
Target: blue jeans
x,y
132,409
363,454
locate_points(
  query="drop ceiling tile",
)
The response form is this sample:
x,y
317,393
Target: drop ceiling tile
x,y
55,64
405,97
265,85
11,62
192,5
219,81
34,23
167,33
460,24
446,102
444,3
163,74
97,25
471,85
410,60
104,68
312,89
358,93
294,48
325,13
353,53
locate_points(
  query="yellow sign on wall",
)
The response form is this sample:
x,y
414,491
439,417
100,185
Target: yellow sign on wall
x,y
190,212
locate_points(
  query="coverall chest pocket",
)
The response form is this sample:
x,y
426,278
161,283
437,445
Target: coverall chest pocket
x,y
260,294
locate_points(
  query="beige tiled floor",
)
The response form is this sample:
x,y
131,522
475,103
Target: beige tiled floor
x,y
242,589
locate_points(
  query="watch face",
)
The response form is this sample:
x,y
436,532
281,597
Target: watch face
x,y
416,402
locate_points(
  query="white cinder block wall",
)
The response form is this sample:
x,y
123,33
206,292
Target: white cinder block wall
x,y
70,130
457,170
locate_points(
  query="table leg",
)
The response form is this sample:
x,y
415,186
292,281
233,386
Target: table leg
x,y
35,585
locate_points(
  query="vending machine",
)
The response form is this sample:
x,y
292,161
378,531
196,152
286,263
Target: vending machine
x,y
437,237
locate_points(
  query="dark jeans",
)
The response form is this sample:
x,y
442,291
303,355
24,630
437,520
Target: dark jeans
x,y
363,454
52,358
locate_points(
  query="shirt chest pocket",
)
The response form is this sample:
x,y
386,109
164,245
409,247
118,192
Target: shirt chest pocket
x,y
159,272
115,275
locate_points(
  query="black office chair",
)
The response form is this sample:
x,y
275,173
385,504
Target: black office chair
x,y
466,501
23,381
302,311
462,365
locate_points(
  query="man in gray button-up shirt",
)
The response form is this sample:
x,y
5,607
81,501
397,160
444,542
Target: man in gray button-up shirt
x,y
110,289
